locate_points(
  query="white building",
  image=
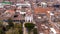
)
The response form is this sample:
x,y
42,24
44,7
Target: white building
x,y
29,18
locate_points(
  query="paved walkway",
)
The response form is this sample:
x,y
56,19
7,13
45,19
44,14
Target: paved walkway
x,y
24,29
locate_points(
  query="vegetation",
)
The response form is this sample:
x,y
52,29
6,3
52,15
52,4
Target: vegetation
x,y
11,28
16,30
29,27
7,27
35,31
19,28
10,22
20,31
1,31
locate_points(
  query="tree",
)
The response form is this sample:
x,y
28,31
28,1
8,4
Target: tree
x,y
20,31
19,28
1,22
10,22
29,27
1,31
35,31
2,28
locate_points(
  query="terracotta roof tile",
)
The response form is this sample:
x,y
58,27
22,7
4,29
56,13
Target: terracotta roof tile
x,y
39,10
42,10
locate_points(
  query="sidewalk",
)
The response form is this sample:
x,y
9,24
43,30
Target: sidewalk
x,y
24,29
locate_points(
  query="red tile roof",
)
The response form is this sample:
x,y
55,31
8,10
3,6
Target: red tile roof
x,y
43,10
10,11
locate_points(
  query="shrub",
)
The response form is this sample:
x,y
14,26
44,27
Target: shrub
x,y
35,31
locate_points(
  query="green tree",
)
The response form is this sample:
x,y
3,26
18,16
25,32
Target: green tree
x,y
20,31
29,27
19,28
10,22
35,31
1,30
1,22
1,27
